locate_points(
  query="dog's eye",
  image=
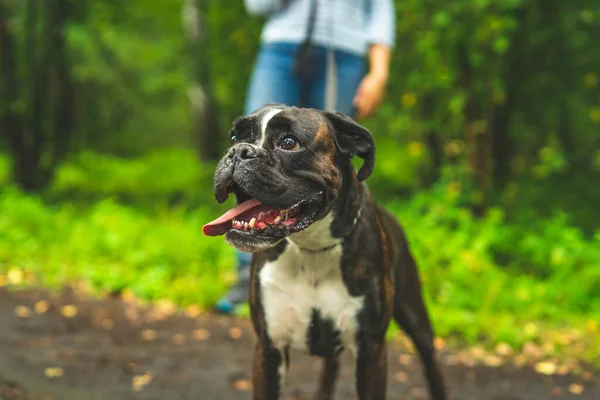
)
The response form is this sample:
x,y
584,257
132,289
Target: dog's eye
x,y
289,143
232,139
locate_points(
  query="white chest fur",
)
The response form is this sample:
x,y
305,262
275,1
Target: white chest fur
x,y
299,282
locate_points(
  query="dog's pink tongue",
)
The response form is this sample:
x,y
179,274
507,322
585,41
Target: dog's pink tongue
x,y
220,225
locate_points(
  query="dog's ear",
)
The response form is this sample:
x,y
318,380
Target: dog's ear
x,y
353,140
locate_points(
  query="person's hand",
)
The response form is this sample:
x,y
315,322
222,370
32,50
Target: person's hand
x,y
369,94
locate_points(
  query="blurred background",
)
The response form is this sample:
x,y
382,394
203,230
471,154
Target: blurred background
x,y
113,114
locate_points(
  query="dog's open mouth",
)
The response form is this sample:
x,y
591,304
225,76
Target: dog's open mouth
x,y
254,217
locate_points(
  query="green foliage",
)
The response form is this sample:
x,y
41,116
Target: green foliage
x,y
131,66
169,174
114,247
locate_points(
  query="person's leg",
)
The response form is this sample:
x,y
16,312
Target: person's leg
x,y
350,70
343,77
272,81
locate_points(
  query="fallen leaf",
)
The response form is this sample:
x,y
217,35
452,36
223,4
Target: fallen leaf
x,y
556,390
587,375
545,367
504,349
161,311
401,376
563,370
478,352
519,360
575,388
565,339
22,311
467,359
178,338
81,288
128,296
131,366
418,392
132,313
492,360
41,307
532,350
242,385
409,346
107,324
3,280
452,359
14,276
201,334
148,334
405,359
439,343
193,311
549,348
139,381
235,333
53,372
68,311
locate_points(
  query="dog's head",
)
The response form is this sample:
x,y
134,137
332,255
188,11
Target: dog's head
x,y
285,167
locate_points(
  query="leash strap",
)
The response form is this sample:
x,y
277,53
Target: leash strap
x,y
301,61
312,16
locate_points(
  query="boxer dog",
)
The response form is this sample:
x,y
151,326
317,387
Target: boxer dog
x,y
330,266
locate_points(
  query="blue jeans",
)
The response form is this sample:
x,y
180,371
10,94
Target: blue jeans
x,y
273,81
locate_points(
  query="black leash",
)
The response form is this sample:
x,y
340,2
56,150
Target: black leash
x,y
301,65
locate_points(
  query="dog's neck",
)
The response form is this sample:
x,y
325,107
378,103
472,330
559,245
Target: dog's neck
x,y
331,230
317,237
352,199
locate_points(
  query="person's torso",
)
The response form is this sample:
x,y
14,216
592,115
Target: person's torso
x,y
339,24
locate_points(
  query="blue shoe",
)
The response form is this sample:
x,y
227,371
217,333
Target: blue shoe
x,y
224,306
237,295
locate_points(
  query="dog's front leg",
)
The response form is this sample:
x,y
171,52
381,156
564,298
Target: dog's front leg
x,y
371,370
269,372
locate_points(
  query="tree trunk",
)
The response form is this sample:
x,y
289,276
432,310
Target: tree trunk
x,y
11,113
36,118
205,127
478,141
434,143
62,113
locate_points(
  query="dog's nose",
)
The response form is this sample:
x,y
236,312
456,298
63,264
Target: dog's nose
x,y
243,151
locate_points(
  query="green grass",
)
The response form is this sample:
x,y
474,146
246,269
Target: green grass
x,y
136,225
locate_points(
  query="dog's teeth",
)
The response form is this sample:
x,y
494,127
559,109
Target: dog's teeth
x,y
252,223
277,220
245,226
261,216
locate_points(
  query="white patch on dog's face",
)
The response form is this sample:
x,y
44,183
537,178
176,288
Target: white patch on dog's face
x,y
263,124
299,282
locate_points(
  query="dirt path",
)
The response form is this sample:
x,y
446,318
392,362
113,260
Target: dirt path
x,y
112,350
